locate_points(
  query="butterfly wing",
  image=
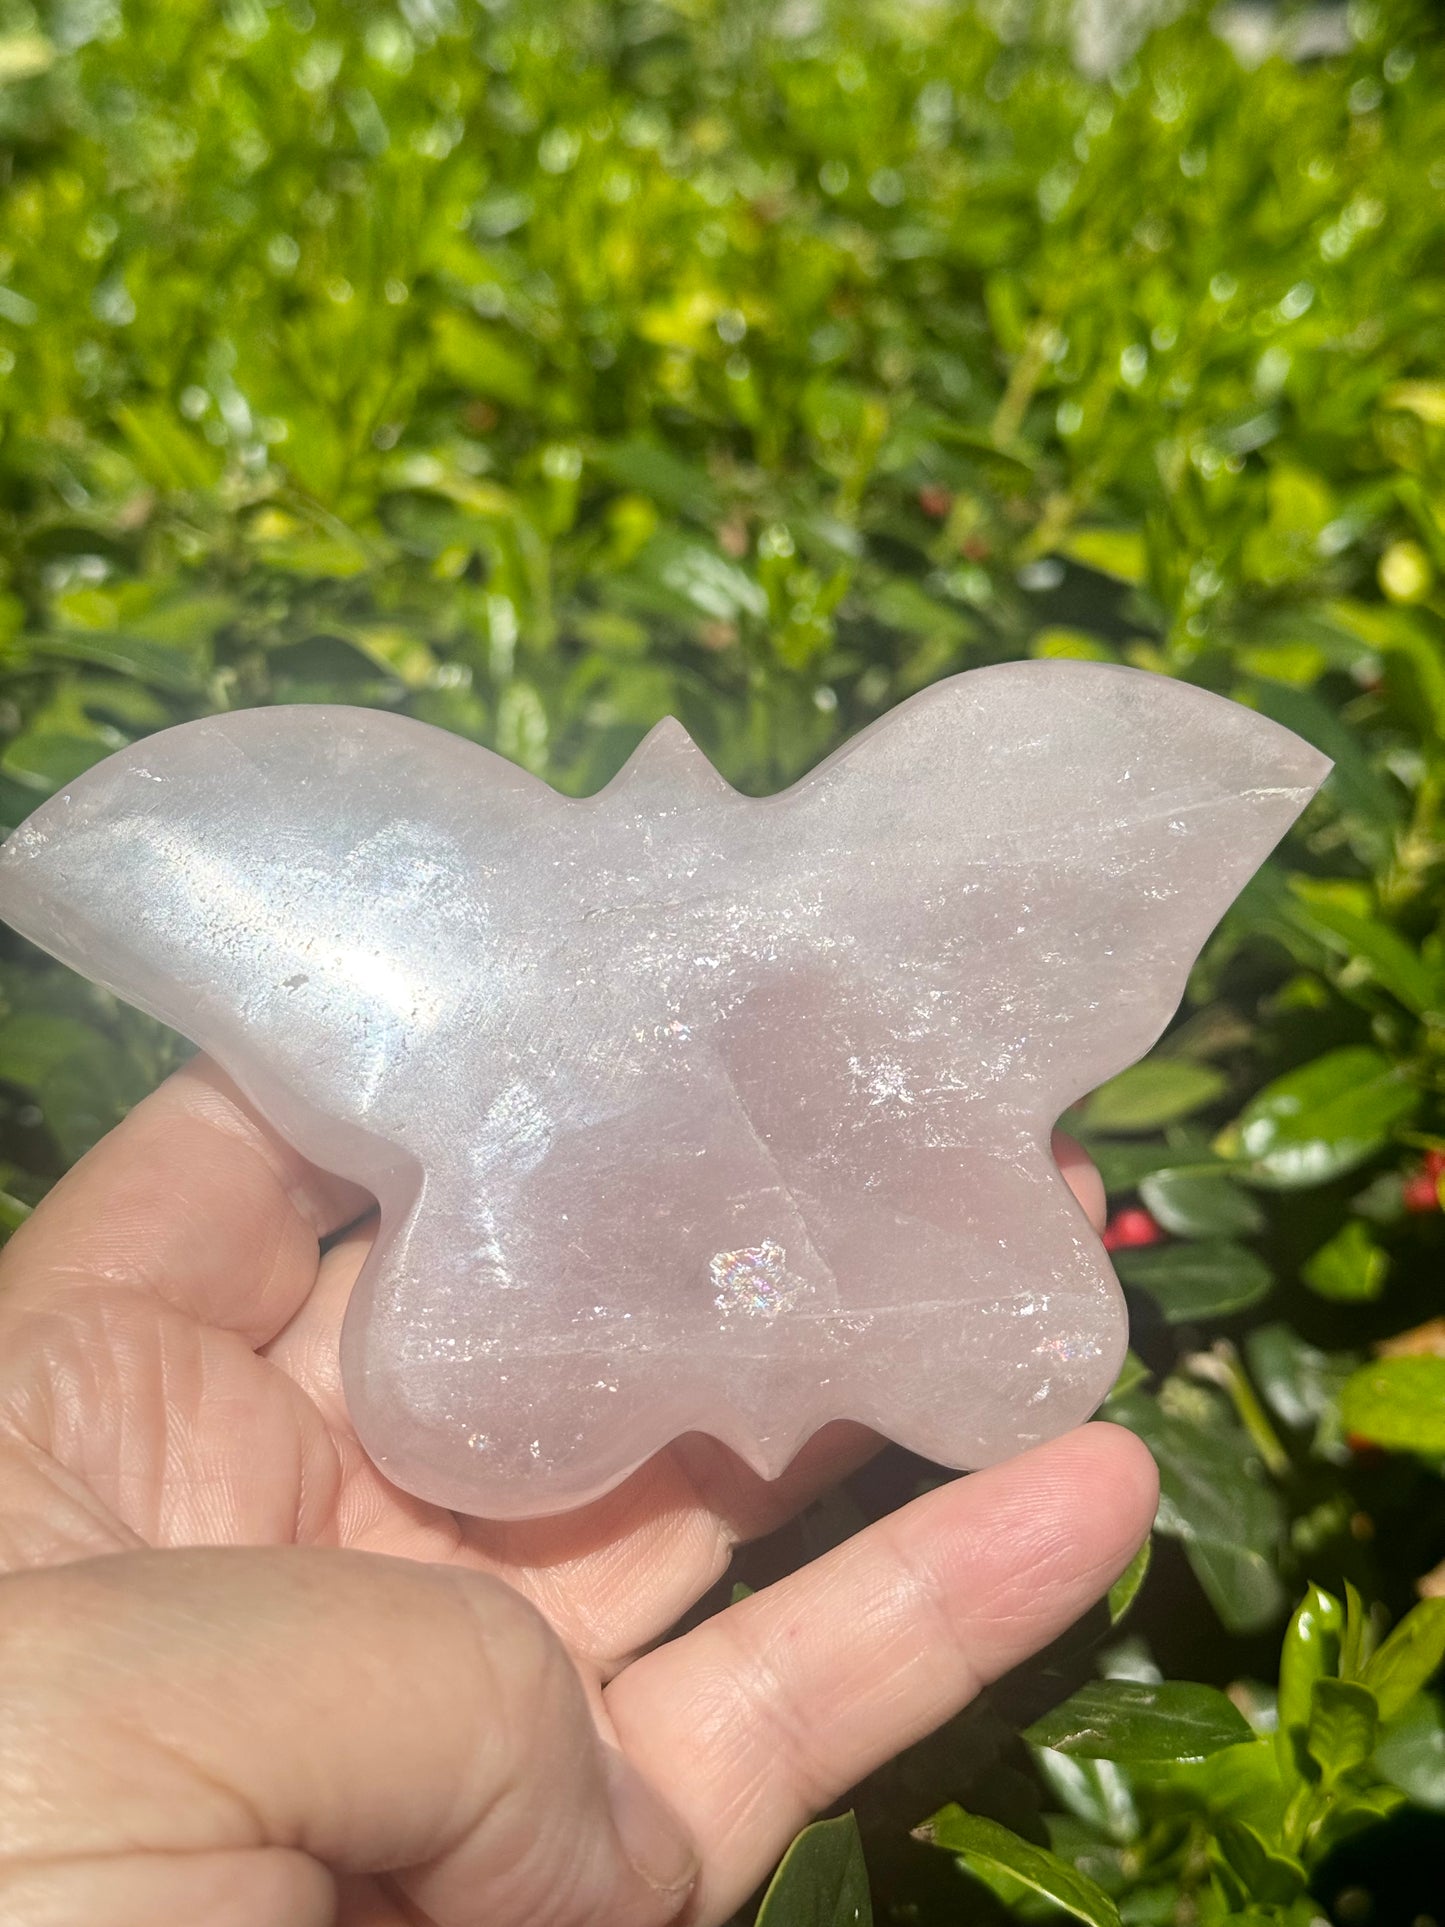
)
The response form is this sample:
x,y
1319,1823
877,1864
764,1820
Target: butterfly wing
x,y
317,896
1059,839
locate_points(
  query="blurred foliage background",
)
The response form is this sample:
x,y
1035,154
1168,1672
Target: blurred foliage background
x,y
542,368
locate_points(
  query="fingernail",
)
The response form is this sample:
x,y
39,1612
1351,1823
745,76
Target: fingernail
x,y
651,1834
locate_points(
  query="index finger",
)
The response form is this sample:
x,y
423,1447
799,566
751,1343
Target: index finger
x,y
785,1700
192,1199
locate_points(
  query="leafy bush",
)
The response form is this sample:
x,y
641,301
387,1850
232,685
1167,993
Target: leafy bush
x,y
543,367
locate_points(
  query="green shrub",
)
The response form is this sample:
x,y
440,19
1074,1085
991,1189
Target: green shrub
x,y
542,368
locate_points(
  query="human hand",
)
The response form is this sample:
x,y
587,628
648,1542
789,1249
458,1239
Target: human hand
x,y
299,1732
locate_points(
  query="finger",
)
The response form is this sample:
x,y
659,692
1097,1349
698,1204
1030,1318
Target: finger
x,y
616,1575
1082,1177
134,1890
787,1699
191,1199
263,1715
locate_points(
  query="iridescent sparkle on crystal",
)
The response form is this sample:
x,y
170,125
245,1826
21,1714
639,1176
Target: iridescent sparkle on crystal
x,y
754,1280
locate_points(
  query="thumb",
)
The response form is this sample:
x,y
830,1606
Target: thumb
x,y
210,1735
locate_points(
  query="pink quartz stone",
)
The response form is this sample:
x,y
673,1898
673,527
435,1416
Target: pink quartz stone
x,y
686,1111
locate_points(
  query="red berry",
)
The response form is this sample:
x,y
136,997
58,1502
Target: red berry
x,y
1421,1192
935,501
1131,1227
1435,1165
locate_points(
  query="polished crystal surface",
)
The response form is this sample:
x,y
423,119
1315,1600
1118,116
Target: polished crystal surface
x,y
686,1111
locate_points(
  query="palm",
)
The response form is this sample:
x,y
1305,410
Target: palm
x,y
168,1376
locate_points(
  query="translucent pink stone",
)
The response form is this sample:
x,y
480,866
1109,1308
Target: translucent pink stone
x,y
685,1111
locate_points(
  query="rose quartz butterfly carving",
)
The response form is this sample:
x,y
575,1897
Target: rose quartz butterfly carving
x,y
686,1111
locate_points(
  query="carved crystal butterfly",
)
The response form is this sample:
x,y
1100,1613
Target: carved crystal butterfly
x,y
685,1111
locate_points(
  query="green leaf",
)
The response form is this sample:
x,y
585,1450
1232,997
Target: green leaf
x,y
522,730
1310,1653
1196,1203
1255,1871
902,604
1137,1723
713,585
986,1845
1069,645
1409,1659
1370,803
1398,1403
79,1078
163,665
822,1881
1242,1581
1327,1117
1097,1798
1190,1281
1359,1639
1116,552
1125,1589
1158,1091
1411,649
392,648
1411,1752
1300,1383
166,450
13,1212
312,554
483,360
1214,1501
1392,962
1124,1163
33,1043
47,760
1351,1268
1132,1374
654,470
1423,398
1344,1719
